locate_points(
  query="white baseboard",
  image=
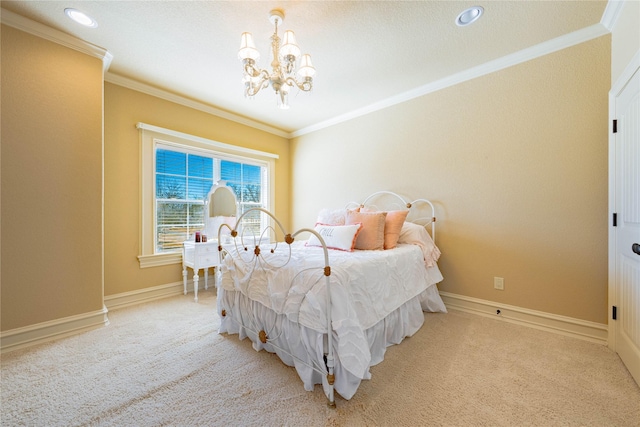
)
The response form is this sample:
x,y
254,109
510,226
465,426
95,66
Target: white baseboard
x,y
48,331
139,296
39,333
577,328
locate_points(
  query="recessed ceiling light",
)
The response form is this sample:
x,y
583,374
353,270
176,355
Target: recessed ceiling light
x,y
81,17
469,16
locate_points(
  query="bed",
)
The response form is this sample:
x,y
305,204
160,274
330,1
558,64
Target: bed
x,y
373,264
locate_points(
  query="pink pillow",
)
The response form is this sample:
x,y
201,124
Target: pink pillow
x,y
392,226
371,237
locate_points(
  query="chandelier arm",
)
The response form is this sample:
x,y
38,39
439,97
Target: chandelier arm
x,y
251,70
253,89
305,86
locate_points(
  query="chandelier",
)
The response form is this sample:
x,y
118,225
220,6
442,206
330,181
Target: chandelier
x,y
282,76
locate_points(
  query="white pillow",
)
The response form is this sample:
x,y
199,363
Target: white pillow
x,y
416,234
332,216
341,237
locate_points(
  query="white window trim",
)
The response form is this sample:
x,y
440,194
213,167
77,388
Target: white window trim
x,y
150,136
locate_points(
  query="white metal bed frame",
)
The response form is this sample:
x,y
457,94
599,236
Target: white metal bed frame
x,y
255,256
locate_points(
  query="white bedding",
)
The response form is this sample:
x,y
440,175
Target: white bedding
x,y
377,300
366,285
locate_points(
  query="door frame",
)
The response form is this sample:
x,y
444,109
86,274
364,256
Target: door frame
x,y
616,89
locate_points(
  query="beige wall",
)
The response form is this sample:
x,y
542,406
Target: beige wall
x,y
625,38
51,181
123,109
516,162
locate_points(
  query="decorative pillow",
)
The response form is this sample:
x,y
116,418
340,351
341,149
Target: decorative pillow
x,y
332,216
412,233
415,234
341,237
371,237
392,226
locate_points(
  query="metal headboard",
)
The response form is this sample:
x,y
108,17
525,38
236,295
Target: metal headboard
x,y
398,202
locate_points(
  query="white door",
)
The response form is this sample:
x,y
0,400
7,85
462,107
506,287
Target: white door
x,y
627,231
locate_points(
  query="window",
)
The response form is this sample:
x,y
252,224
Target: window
x,y
247,182
178,171
182,183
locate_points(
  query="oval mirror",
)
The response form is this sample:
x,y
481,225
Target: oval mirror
x,y
221,207
222,201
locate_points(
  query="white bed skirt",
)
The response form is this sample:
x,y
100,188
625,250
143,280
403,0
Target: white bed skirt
x,y
309,346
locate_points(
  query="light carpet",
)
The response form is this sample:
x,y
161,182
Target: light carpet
x,y
164,364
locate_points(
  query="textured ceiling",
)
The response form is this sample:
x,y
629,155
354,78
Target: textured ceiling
x,y
365,52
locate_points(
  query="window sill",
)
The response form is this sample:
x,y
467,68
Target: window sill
x,y
157,260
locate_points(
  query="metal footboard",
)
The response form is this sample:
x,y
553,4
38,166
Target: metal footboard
x,y
249,249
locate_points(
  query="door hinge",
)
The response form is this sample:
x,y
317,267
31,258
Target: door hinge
x,y
615,219
615,126
614,312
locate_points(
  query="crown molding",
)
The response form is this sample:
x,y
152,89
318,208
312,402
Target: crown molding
x,y
611,13
608,21
40,30
168,96
542,49
43,31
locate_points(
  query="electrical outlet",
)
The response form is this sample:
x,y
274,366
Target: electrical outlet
x,y
498,283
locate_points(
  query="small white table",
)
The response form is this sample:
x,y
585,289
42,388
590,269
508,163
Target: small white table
x,y
199,256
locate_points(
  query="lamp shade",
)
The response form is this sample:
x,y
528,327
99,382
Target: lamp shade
x,y
289,46
248,48
306,67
